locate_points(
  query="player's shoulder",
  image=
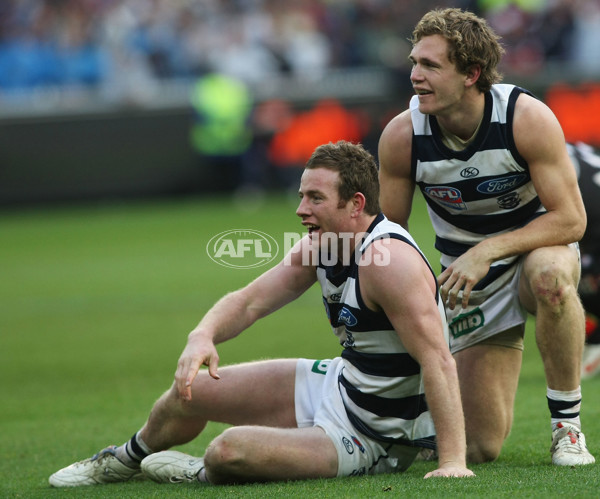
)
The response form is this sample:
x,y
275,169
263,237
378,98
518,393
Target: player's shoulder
x,y
398,131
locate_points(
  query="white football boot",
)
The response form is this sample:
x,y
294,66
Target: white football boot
x,y
104,467
568,446
172,467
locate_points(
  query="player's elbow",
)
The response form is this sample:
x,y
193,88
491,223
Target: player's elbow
x,y
580,227
579,223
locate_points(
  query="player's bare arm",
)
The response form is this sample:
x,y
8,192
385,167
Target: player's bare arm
x,y
405,290
552,174
238,310
556,184
396,185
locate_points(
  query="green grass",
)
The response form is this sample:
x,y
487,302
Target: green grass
x,y
95,306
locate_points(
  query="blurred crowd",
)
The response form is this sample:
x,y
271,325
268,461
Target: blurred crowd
x,y
119,44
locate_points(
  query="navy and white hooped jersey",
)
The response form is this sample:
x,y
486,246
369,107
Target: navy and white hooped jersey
x,y
481,191
381,384
586,161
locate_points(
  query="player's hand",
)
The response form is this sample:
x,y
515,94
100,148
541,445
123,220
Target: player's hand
x,y
450,471
198,351
462,275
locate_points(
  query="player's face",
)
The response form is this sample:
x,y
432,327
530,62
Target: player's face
x,y
434,78
320,208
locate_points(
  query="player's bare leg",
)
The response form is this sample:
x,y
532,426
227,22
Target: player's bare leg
x,y
257,393
549,289
488,376
255,453
248,394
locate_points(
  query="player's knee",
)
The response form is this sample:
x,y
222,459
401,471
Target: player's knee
x,y
225,457
552,286
482,452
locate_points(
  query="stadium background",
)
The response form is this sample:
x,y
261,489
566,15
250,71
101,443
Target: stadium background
x,y
96,95
107,203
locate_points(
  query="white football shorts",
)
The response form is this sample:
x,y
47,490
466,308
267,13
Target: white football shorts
x,y
319,403
492,310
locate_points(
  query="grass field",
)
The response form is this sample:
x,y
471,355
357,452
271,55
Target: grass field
x,y
95,306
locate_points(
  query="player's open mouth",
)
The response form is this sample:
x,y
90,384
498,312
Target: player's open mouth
x,y
312,228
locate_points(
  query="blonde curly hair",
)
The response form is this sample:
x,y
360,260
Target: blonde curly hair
x,y
471,42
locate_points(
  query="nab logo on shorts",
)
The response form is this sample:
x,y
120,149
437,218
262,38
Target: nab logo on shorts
x,y
447,196
467,323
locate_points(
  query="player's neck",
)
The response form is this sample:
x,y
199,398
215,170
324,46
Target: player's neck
x,y
456,142
464,122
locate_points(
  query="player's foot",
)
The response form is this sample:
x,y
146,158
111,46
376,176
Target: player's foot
x,y
568,446
104,467
590,365
172,467
427,455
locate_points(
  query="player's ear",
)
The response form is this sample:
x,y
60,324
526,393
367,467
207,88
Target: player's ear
x,y
472,75
358,203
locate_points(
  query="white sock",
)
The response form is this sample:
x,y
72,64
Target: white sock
x,y
202,476
564,406
132,452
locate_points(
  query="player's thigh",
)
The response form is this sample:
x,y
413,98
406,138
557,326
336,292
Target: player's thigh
x,y
488,376
543,268
273,453
260,393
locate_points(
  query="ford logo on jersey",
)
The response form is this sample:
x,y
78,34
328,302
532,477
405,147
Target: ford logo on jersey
x,y
448,196
498,185
346,317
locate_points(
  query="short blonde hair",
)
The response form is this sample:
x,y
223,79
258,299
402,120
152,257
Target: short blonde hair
x,y
357,171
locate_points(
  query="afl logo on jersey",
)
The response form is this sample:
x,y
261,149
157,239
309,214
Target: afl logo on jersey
x,y
447,196
498,185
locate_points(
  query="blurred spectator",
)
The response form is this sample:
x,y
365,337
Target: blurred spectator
x,y
125,46
586,36
221,133
258,170
327,121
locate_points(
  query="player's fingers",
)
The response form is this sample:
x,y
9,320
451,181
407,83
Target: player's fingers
x,y
212,367
192,371
180,376
445,289
184,377
453,293
443,277
450,473
466,294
